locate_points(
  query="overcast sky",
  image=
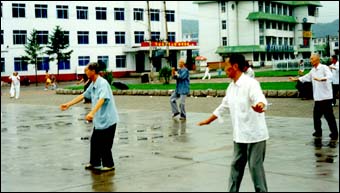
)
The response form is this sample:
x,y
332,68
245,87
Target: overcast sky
x,y
327,13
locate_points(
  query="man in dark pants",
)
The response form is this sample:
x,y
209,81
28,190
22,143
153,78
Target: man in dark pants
x,y
321,78
246,103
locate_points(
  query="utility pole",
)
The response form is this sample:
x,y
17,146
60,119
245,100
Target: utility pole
x,y
150,48
166,35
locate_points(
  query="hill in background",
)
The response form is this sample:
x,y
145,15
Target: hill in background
x,y
324,29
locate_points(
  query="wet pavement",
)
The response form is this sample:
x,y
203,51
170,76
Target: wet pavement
x,y
45,149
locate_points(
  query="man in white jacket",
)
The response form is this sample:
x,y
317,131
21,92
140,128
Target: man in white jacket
x,y
246,104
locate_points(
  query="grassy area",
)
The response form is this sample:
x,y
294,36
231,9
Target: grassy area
x,y
269,73
202,86
218,86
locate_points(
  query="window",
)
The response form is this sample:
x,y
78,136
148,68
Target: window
x,y
18,10
64,64
2,64
120,37
19,36
101,13
273,8
154,14
42,37
260,6
261,40
139,37
2,37
121,61
138,14
155,36
170,16
171,36
83,60
101,37
62,11
223,6
82,12
20,64
103,60
267,24
67,37
40,11
83,37
43,63
119,14
224,41
224,24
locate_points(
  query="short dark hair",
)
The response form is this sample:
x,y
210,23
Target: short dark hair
x,y
94,66
238,59
335,57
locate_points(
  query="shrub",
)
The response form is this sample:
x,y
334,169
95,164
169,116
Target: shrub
x,y
165,73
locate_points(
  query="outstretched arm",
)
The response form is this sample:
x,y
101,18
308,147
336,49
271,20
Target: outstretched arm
x,y
207,121
67,105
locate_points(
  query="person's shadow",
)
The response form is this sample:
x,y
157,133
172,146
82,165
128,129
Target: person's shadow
x,y
102,181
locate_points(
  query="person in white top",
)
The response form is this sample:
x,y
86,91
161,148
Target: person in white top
x,y
248,70
321,78
246,104
207,74
335,80
15,85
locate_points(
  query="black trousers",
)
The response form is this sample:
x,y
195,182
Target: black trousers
x,y
101,145
324,108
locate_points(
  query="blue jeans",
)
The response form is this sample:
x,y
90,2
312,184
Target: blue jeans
x,y
174,96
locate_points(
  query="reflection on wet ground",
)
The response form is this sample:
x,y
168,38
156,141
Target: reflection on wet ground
x,y
45,149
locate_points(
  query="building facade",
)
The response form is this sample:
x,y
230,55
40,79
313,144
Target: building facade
x,y
127,36
333,45
263,31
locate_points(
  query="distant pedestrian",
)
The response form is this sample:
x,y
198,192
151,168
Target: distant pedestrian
x,y
15,85
321,78
181,91
86,81
246,104
248,70
48,80
335,79
301,67
104,116
207,73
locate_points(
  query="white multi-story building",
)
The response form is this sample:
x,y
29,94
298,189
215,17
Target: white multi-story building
x,y
263,31
321,42
116,33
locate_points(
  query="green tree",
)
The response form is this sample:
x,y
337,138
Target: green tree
x,y
57,47
165,73
33,50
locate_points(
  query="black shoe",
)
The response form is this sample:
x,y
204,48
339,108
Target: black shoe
x,y
174,115
182,118
318,142
332,143
317,135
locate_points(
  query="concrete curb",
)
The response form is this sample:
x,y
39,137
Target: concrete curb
x,y
194,93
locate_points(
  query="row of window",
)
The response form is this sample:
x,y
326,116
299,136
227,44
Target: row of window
x,y
43,63
20,37
62,12
281,41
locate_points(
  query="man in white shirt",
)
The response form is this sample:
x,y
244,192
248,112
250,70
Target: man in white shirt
x,y
335,80
246,103
321,78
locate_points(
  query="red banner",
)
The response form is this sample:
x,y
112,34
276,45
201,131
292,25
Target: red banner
x,y
175,44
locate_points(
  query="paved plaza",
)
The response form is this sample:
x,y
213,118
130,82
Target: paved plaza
x,y
45,149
